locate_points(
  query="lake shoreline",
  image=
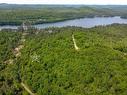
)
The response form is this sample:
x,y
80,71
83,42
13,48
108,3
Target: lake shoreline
x,y
55,21
85,22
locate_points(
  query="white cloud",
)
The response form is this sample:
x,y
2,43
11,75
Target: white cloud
x,y
118,2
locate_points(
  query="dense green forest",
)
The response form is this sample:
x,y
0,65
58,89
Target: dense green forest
x,y
8,41
36,14
50,65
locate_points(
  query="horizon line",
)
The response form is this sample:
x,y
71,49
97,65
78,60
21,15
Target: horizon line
x,y
57,4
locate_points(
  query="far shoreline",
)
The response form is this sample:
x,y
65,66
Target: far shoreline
x,y
55,21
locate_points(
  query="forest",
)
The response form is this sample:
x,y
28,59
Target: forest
x,y
8,41
37,14
49,64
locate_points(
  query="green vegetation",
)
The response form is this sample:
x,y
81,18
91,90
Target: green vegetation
x,y
49,64
36,14
8,41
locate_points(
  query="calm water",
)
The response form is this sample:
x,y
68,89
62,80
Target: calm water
x,y
83,22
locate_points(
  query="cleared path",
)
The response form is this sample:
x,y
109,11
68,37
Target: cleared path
x,y
27,89
75,45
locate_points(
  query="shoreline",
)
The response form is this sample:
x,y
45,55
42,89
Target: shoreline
x,y
84,22
37,23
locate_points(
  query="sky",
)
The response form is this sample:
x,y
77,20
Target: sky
x,y
98,2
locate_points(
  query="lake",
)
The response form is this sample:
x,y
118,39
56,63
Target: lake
x,y
83,22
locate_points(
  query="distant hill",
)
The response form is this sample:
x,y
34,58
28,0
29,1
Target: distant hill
x,y
33,6
36,6
15,14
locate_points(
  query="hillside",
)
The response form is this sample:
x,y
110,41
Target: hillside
x,y
12,14
49,64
